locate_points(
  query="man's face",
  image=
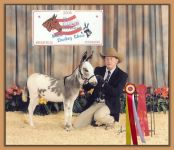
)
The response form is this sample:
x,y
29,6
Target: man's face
x,y
110,62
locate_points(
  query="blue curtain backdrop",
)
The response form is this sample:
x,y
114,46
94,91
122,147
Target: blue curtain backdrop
x,y
140,32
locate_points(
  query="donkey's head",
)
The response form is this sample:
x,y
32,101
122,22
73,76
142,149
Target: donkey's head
x,y
86,70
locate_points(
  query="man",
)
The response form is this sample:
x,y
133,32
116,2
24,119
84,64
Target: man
x,y
103,106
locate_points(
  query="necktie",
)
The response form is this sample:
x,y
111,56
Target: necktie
x,y
101,95
108,76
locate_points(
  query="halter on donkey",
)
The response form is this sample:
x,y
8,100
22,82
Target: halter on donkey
x,y
63,90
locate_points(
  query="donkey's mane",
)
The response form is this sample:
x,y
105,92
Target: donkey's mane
x,y
70,74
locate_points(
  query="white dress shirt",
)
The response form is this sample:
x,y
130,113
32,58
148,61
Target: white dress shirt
x,y
106,73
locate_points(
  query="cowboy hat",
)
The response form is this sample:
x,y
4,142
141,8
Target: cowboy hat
x,y
111,52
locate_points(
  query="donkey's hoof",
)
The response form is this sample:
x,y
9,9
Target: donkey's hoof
x,y
68,128
32,125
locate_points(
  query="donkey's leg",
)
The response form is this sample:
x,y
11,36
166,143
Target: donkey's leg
x,y
67,112
71,111
32,105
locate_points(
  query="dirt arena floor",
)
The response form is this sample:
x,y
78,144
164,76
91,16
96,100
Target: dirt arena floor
x,y
49,131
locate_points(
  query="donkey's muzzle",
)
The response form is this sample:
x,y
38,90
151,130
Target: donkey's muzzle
x,y
93,80
93,83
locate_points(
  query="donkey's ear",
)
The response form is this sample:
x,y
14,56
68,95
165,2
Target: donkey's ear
x,y
84,56
54,16
90,56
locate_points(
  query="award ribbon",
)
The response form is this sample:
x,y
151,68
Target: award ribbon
x,y
132,117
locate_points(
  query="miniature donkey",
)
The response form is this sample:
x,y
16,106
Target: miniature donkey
x,y
63,90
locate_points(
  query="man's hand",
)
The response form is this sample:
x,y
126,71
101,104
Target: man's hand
x,y
100,80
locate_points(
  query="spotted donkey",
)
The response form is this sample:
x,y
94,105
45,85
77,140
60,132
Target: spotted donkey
x,y
58,90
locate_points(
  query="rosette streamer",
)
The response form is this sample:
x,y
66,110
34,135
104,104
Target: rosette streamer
x,y
137,121
132,120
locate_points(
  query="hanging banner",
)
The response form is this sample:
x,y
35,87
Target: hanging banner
x,y
67,27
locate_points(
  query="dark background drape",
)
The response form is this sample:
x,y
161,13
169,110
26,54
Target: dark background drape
x,y
140,32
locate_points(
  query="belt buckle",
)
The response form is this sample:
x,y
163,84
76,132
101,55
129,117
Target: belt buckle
x,y
99,100
102,101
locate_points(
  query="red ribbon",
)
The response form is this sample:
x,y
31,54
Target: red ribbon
x,y
141,109
69,32
66,19
131,119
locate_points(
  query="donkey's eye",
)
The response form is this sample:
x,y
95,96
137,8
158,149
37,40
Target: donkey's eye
x,y
85,70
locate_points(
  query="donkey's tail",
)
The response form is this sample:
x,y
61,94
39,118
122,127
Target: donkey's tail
x,y
24,94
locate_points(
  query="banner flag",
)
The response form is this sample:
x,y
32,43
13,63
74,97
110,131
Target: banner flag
x,y
67,27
